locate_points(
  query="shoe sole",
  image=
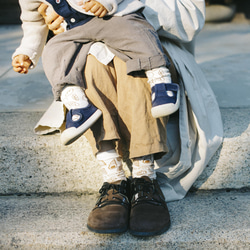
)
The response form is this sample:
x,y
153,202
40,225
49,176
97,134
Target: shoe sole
x,y
108,231
166,109
70,135
147,234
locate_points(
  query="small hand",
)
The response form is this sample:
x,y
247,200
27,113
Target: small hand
x,y
96,8
53,20
21,64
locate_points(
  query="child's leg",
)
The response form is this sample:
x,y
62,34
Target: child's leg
x,y
149,214
143,166
145,136
81,114
64,61
141,49
111,164
111,212
165,94
73,97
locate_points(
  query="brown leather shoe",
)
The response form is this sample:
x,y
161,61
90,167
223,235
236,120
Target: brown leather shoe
x,y
149,213
111,212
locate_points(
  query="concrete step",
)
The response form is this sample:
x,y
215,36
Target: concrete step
x,y
220,13
230,166
40,164
203,220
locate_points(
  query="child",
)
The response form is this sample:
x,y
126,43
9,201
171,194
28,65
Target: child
x,y
121,27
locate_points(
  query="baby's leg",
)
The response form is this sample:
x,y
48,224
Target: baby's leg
x,y
81,113
132,39
136,42
64,61
165,94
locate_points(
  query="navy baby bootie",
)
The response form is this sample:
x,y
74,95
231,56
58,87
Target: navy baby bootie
x,y
78,121
165,99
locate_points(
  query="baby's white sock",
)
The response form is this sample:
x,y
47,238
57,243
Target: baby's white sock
x,y
158,75
144,166
73,97
111,165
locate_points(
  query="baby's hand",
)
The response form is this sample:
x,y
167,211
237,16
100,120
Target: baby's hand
x,y
53,20
95,7
21,64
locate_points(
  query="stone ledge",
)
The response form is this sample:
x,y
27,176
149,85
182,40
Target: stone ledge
x,y
220,13
230,166
203,220
40,164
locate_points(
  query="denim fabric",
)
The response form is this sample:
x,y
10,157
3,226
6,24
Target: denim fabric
x,y
71,16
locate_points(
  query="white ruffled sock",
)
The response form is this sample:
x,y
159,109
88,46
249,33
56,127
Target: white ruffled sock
x,y
111,165
144,166
73,97
158,75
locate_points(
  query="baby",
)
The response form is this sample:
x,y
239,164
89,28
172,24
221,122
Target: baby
x,y
124,30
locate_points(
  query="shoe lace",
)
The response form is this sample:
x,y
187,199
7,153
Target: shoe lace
x,y
146,192
117,196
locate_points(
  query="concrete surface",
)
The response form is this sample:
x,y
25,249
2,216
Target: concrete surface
x,y
223,53
230,166
31,92
34,164
203,220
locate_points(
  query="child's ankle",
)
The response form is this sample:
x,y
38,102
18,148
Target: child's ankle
x,y
158,75
73,97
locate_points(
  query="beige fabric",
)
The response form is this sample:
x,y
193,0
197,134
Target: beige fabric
x,y
52,120
126,103
196,134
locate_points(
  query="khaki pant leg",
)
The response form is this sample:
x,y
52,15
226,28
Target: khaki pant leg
x,y
126,105
143,133
101,91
